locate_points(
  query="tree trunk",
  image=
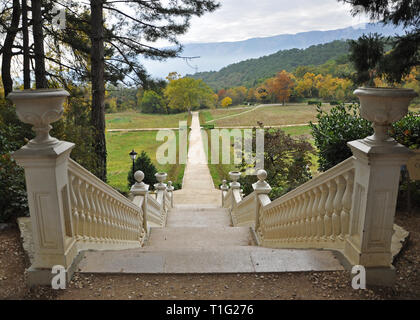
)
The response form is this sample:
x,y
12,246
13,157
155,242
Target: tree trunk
x,y
25,43
7,49
98,86
38,33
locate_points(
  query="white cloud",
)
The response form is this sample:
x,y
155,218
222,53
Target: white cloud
x,y
243,19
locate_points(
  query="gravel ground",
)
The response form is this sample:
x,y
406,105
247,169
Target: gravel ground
x,y
290,286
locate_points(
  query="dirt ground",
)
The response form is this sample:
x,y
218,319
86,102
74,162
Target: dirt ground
x,y
270,286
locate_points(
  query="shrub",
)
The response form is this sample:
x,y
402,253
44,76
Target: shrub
x,y
313,102
344,124
334,130
152,103
286,160
13,202
334,103
144,164
208,126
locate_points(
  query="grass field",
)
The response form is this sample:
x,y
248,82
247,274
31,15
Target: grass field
x,y
135,120
273,115
119,145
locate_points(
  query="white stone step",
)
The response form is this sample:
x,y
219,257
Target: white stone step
x,y
229,259
198,237
192,216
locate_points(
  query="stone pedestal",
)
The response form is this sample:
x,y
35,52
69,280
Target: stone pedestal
x,y
377,173
46,174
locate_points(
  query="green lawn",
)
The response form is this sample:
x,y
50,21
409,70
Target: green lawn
x,y
273,115
119,145
135,120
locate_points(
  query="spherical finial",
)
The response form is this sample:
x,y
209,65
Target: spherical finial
x,y
224,182
169,183
261,174
139,176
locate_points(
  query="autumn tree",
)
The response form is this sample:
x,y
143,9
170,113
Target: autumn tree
x,y
186,94
281,86
226,102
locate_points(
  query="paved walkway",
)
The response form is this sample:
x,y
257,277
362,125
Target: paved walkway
x,y
197,185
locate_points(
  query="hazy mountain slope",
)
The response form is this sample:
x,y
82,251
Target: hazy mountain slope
x,y
248,72
214,56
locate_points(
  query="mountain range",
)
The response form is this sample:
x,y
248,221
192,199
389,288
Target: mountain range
x,y
216,55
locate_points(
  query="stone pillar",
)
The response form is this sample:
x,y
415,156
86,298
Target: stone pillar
x,y
378,161
225,188
45,160
170,189
261,191
140,189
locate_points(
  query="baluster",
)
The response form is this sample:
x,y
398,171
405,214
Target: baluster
x,y
107,202
329,208
303,209
314,215
102,216
96,216
292,220
113,235
321,213
74,204
283,212
338,204
83,216
309,215
347,197
91,229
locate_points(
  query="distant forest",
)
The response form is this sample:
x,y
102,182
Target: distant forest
x,y
252,72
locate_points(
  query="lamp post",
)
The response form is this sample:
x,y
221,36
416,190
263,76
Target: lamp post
x,y
133,156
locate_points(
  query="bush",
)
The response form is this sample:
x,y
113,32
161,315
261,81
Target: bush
x,y
334,130
207,126
144,164
313,102
13,201
335,103
344,124
152,103
286,160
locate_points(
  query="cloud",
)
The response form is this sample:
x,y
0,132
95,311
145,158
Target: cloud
x,y
243,19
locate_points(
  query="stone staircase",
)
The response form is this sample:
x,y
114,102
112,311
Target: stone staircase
x,y
200,239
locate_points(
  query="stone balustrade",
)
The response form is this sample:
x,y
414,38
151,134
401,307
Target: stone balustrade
x,y
349,208
155,208
71,209
314,215
101,217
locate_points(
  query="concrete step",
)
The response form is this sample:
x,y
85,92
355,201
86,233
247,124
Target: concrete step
x,y
229,259
198,237
192,216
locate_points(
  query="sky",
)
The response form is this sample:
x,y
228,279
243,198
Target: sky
x,y
243,19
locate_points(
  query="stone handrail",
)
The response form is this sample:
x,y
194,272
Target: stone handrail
x,y
155,213
244,211
101,215
155,207
314,215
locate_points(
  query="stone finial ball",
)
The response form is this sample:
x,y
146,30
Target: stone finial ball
x,y
139,176
169,183
261,174
224,182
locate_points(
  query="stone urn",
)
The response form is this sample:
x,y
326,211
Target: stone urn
x,y
160,177
39,108
234,176
383,106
